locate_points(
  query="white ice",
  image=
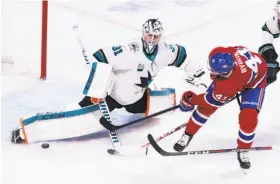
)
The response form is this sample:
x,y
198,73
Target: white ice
x,y
198,25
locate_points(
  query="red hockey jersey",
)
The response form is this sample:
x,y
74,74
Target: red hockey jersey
x,y
249,72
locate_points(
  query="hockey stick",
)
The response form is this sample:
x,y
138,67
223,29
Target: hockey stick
x,y
166,134
115,152
75,28
113,134
201,152
102,103
111,127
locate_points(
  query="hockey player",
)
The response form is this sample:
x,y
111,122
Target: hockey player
x,y
121,76
134,66
233,70
270,31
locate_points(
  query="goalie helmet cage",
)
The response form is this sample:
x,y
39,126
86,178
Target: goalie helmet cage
x,y
44,40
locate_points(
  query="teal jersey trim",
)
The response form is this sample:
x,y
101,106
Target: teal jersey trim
x,y
265,28
181,56
90,78
152,56
57,115
100,56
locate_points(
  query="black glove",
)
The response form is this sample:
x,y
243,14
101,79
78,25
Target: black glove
x,y
86,101
273,69
268,52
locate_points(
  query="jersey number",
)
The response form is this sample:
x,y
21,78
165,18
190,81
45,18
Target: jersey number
x,y
252,62
172,48
117,50
221,98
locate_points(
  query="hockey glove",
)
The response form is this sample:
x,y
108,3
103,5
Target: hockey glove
x,y
185,103
88,101
272,70
268,52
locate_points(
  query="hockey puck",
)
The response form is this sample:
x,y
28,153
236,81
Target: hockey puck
x,y
45,145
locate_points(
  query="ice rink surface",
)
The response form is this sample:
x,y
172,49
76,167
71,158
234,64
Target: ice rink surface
x,y
198,25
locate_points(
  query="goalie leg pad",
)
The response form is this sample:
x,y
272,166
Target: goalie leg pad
x,y
160,100
58,125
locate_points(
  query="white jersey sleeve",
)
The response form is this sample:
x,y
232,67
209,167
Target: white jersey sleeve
x,y
117,56
179,56
270,31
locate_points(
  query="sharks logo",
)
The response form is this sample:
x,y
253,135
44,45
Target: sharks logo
x,y
133,46
145,81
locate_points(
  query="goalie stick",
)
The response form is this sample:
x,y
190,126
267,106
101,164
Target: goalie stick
x,y
75,28
201,152
107,116
102,104
111,127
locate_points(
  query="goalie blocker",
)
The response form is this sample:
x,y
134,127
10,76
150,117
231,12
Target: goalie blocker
x,y
81,123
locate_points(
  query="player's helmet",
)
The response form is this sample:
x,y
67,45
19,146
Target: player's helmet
x,y
277,13
221,64
151,35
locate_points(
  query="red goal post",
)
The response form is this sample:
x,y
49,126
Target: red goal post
x,y
44,40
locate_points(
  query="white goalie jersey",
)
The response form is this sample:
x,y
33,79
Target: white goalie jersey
x,y
134,70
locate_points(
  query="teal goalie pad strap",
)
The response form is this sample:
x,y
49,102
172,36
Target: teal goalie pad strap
x,y
163,92
57,115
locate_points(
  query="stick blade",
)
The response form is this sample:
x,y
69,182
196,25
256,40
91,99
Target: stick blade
x,y
113,152
156,146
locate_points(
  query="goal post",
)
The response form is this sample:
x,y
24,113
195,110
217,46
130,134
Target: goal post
x,y
44,40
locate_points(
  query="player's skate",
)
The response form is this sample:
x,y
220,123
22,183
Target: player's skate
x,y
183,142
243,160
16,137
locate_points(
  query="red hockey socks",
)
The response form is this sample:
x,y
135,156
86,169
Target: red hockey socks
x,y
248,119
198,118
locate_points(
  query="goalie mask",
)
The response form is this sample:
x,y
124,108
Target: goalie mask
x,y
277,13
151,35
